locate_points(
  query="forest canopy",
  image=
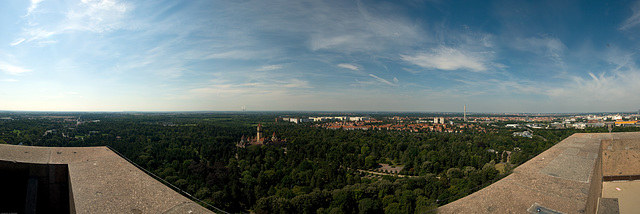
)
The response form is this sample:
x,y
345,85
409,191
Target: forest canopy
x,y
318,170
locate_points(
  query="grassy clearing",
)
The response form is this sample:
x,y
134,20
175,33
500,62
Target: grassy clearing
x,y
501,167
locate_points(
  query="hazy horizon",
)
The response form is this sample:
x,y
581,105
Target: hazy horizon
x,y
336,56
470,114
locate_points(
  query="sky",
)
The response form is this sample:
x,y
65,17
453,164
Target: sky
x,y
428,56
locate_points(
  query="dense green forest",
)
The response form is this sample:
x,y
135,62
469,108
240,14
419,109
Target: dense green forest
x,y
317,171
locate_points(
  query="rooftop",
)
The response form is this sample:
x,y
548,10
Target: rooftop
x,y
96,180
566,178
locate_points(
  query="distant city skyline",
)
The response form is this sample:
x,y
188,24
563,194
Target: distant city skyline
x,y
413,56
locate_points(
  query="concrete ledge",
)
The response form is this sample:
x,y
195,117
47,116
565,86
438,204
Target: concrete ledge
x,y
558,179
102,182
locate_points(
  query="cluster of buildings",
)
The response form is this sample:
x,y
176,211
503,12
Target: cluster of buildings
x,y
297,120
411,127
465,123
579,122
562,118
438,120
582,124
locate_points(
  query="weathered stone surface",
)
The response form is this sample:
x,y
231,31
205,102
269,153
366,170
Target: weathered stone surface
x,y
558,179
103,182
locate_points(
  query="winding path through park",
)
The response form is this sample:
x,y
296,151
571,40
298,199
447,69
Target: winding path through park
x,y
389,174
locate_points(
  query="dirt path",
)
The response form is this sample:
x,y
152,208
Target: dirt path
x,y
381,173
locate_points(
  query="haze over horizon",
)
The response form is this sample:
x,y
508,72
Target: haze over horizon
x,y
427,56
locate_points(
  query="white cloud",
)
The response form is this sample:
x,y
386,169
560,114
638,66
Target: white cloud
x,y
548,53
319,42
172,71
499,87
223,88
17,41
382,80
612,90
37,33
350,27
12,69
634,19
97,16
234,54
410,70
33,6
88,15
600,91
447,58
296,83
226,90
542,45
9,80
487,41
270,67
349,66
363,83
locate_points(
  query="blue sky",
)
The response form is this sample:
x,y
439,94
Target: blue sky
x,y
493,56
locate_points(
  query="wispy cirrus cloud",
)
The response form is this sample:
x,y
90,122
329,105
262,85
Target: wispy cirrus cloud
x,y
226,88
546,46
349,66
540,44
502,86
598,91
33,6
223,90
365,31
351,27
17,41
97,16
233,54
295,83
12,69
87,15
384,80
274,52
32,34
270,67
448,58
634,20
